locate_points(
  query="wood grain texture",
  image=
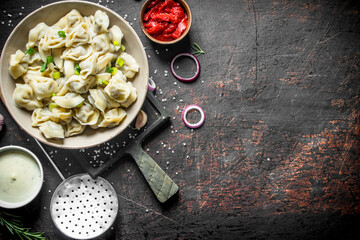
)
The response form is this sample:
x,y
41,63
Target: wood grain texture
x,y
278,155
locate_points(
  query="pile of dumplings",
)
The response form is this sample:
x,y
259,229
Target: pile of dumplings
x,y
77,74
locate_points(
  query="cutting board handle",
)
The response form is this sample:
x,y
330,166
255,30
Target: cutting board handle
x,y
161,184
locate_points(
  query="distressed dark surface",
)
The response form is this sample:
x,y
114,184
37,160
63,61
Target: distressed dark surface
x,y
278,155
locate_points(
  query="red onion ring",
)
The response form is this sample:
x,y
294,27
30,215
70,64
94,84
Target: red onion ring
x,y
151,85
197,67
193,125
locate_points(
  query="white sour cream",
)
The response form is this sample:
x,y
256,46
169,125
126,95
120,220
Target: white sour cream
x,y
20,176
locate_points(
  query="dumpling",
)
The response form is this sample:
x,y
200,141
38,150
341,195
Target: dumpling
x,y
73,128
61,115
77,53
51,129
77,84
24,97
86,114
43,87
101,77
69,68
39,116
90,21
132,97
112,117
57,53
42,51
78,36
118,90
130,67
103,62
101,22
34,60
36,34
116,36
69,100
73,19
17,68
52,39
88,66
101,100
101,43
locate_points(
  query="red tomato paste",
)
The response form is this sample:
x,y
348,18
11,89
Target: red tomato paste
x,y
165,20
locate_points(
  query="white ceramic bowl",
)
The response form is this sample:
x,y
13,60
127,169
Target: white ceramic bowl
x,y
50,14
35,192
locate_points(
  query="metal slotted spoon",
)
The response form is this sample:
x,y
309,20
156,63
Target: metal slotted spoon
x,y
82,207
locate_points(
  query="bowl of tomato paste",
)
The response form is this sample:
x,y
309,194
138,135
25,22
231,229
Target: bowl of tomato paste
x,y
165,21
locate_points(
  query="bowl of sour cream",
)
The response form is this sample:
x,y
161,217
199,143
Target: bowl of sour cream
x,y
21,176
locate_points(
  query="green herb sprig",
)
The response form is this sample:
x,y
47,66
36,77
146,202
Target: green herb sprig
x,y
197,49
14,225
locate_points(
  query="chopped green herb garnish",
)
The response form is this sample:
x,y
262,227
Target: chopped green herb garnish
x,y
30,51
120,61
56,75
62,34
49,59
105,82
53,94
122,48
77,68
116,43
197,49
43,67
77,73
109,70
52,106
115,70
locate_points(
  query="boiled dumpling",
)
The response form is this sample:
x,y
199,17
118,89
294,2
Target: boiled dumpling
x,y
51,129
72,19
52,39
17,68
112,117
43,87
101,21
69,100
73,128
61,115
24,97
86,114
69,68
132,97
118,90
88,66
78,53
78,36
36,34
39,116
101,100
101,43
116,36
103,62
130,67
77,84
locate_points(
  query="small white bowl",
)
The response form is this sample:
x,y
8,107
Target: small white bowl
x,y
33,195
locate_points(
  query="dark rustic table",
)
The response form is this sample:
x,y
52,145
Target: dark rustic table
x,y
278,155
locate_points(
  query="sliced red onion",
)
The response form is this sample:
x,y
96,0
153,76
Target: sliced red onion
x,y
197,67
202,116
151,85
